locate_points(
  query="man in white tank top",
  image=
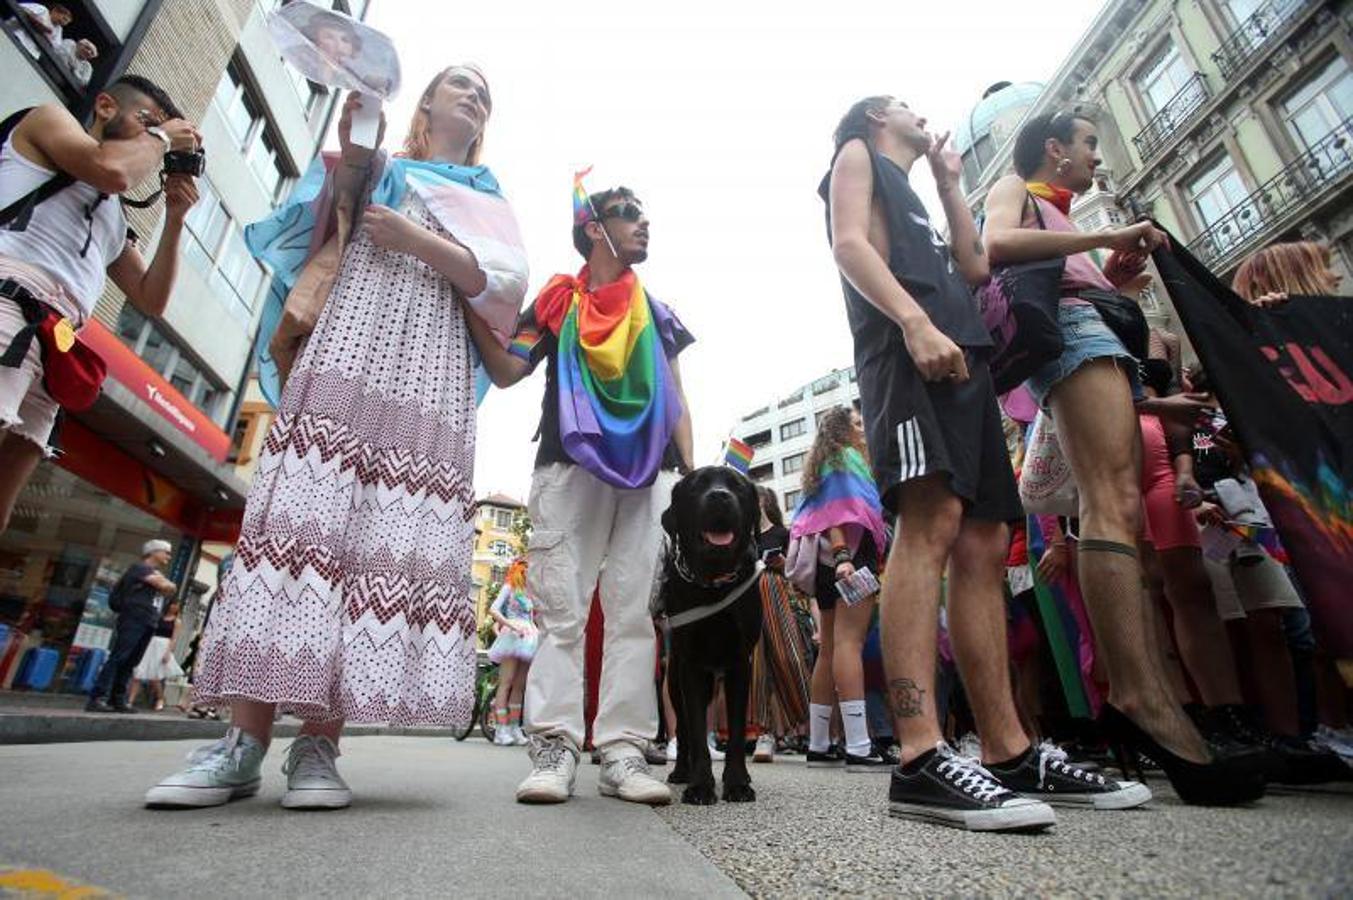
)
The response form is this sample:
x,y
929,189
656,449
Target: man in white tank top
x,y
59,251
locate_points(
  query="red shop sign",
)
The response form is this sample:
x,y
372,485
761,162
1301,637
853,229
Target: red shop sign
x,y
155,391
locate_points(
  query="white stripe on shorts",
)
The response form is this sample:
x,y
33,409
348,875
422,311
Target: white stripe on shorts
x,y
912,449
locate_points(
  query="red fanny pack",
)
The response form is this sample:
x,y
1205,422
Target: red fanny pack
x,y
72,372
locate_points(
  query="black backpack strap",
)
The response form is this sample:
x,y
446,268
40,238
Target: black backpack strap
x,y
15,216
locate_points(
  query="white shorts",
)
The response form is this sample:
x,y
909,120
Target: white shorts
x,y
26,409
1256,583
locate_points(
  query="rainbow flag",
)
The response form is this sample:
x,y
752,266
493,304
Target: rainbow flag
x,y
738,455
618,401
582,203
846,498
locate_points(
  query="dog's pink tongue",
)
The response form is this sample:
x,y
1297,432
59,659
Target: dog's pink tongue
x,y
719,538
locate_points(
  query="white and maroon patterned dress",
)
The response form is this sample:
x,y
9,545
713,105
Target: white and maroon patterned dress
x,y
350,594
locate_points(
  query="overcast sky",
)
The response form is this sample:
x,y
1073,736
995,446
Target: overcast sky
x,y
719,115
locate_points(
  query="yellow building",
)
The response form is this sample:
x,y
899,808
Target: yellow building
x,y
495,546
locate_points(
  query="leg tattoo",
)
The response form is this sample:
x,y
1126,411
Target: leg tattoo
x,y
905,696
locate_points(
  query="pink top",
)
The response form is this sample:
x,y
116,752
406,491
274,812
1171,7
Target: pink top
x,y
1081,270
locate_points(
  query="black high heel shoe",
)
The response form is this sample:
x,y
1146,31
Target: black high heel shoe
x,y
1218,783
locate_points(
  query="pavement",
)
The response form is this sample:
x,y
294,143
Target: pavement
x,y
43,718
434,817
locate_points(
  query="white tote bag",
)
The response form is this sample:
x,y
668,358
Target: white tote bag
x,y
1046,486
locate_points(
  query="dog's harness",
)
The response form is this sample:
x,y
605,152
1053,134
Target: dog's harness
x,y
699,613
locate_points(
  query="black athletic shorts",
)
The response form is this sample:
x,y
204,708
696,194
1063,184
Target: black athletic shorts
x,y
916,428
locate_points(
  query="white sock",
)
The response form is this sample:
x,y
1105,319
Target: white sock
x,y
856,725
819,727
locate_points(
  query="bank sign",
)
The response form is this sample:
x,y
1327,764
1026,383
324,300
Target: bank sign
x,y
157,393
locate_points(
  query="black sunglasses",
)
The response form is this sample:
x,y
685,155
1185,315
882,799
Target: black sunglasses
x,y
630,212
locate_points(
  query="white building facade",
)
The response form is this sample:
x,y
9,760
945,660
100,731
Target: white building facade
x,y
782,431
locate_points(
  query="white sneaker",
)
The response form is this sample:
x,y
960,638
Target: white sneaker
x,y
555,769
217,773
625,774
765,749
503,736
313,781
519,737
672,750
715,754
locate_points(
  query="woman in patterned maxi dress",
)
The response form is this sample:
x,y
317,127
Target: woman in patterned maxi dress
x,y
349,599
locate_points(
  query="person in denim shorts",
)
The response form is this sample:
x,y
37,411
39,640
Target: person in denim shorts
x,y
1092,393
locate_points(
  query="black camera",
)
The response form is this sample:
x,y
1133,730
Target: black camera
x,y
185,162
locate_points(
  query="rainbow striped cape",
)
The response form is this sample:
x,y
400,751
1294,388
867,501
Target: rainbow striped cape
x,y
618,400
846,498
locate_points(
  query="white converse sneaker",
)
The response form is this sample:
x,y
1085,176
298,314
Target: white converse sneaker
x,y
519,737
555,771
625,774
217,773
765,749
503,736
313,781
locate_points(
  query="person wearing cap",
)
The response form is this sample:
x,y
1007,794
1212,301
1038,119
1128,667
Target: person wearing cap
x,y
137,598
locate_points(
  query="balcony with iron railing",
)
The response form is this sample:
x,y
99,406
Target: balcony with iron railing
x,y
1175,113
1317,172
1253,36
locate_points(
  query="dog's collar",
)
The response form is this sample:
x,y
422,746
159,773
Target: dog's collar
x,y
686,575
699,613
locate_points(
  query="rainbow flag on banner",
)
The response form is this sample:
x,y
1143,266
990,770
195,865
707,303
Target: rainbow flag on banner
x,y
738,455
582,203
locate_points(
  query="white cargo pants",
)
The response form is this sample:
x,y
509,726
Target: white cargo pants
x,y
585,531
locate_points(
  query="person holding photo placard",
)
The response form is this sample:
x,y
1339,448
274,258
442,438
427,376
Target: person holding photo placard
x,y
349,599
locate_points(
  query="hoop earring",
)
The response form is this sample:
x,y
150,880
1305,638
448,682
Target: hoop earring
x,y
1062,165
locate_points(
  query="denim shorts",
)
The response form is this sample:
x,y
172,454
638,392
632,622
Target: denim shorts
x,y
1085,337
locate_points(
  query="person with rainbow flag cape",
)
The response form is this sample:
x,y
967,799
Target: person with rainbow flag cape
x,y
615,432
350,596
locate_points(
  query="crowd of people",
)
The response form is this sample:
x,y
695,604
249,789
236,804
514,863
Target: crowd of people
x,y
349,601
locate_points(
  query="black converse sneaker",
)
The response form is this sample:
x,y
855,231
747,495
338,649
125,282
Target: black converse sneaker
x,y
831,758
1045,772
943,787
874,762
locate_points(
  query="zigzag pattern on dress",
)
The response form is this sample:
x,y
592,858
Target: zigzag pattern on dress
x,y
305,686
388,467
380,418
330,556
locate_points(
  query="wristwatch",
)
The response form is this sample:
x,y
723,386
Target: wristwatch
x,y
158,132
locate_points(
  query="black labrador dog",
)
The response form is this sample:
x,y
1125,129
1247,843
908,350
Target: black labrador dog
x,y
711,594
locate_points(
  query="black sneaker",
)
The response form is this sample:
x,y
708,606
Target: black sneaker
x,y
956,791
1290,761
97,706
831,758
874,762
1045,772
124,708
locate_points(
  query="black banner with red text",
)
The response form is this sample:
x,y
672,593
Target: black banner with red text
x,y
1282,376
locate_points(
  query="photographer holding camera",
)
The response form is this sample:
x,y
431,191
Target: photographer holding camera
x,y
62,231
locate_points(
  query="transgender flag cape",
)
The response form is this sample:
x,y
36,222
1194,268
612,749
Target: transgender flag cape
x,y
465,200
846,498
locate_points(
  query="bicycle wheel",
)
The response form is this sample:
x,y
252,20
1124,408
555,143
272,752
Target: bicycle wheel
x,y
488,722
461,734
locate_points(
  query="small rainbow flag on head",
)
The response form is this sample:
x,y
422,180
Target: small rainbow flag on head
x,y
738,455
582,203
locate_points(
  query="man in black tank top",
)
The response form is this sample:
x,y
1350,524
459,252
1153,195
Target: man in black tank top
x,y
939,455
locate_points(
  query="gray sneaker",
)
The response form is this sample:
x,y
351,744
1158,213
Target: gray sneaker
x,y
313,781
554,771
625,774
217,773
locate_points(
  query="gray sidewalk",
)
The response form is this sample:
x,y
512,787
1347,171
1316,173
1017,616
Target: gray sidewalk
x,y
431,817
50,718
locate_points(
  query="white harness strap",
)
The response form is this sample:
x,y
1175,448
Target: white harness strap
x,y
698,613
